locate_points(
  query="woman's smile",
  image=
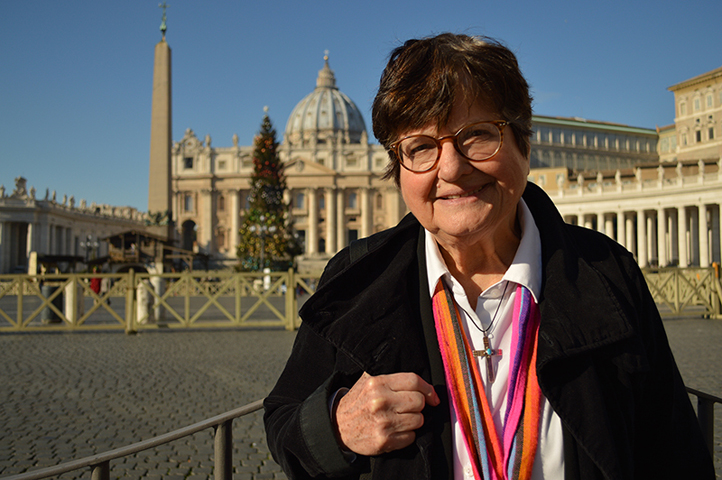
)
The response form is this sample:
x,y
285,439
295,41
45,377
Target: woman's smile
x,y
460,195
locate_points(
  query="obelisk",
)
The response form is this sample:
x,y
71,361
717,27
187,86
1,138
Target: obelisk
x,y
159,180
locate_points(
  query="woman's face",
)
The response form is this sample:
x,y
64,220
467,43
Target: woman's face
x,y
464,202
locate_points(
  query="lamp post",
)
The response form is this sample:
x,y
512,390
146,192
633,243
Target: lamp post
x,y
87,244
262,230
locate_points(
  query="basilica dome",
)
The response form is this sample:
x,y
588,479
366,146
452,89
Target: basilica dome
x,y
325,115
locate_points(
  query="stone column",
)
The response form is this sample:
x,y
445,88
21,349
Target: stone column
x,y
69,243
176,207
43,246
312,234
392,206
588,222
235,221
621,229
703,236
52,242
609,226
629,231
365,212
340,219
661,238
651,240
693,258
205,215
642,258
4,247
682,244
60,240
330,198
673,235
30,242
716,240
67,235
601,225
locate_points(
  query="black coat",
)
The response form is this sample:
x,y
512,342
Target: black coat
x,y
604,362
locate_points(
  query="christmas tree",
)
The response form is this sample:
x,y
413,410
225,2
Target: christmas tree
x,y
266,236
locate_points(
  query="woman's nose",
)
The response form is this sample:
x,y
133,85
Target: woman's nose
x,y
451,163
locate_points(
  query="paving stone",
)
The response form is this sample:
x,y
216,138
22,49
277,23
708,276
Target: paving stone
x,y
203,470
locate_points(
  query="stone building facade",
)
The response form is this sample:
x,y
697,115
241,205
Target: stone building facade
x,y
57,227
698,116
334,175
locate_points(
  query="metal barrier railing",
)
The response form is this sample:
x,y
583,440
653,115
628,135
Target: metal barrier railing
x,y
705,415
223,442
138,301
684,289
100,464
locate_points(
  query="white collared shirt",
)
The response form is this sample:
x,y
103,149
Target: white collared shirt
x,y
496,304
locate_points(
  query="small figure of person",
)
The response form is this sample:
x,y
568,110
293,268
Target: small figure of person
x,y
95,284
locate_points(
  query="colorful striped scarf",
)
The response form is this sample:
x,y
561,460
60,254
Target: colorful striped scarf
x,y
511,455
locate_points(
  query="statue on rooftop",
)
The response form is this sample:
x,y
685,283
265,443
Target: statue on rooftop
x,y
20,188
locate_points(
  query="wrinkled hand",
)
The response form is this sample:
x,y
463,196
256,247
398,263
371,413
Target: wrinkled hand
x,y
380,414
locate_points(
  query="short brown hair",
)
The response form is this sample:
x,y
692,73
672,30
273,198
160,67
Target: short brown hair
x,y
423,78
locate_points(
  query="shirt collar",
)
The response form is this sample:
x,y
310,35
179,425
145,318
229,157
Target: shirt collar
x,y
525,269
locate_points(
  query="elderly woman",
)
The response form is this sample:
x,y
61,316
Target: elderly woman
x,y
482,337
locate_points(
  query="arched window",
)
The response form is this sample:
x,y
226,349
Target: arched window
x,y
221,203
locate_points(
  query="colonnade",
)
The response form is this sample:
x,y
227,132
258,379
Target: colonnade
x,y
343,215
329,218
19,238
683,235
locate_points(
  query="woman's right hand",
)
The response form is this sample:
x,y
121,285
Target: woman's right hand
x,y
381,414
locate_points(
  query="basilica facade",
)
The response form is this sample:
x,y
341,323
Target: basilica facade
x,y
601,175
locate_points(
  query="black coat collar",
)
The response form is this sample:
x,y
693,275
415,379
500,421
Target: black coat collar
x,y
369,309
580,309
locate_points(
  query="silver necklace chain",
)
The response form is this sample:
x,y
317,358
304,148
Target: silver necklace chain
x,y
486,331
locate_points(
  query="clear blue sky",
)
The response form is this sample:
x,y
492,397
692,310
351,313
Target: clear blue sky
x,y
76,76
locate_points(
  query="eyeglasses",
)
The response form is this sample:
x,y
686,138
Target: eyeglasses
x,y
476,142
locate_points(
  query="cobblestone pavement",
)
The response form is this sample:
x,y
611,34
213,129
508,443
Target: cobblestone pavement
x,y
697,348
67,396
